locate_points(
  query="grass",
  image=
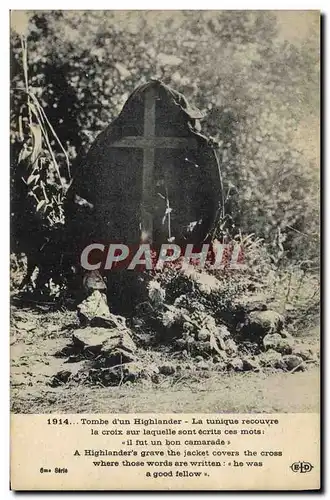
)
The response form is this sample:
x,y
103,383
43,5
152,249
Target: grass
x,y
229,393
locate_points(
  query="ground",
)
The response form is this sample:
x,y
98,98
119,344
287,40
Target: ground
x,y
38,333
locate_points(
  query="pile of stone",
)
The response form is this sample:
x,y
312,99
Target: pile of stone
x,y
255,339
102,351
98,350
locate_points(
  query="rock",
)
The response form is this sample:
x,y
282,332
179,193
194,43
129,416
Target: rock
x,y
266,321
114,357
271,340
271,359
122,70
109,321
150,372
250,364
73,349
236,364
278,343
119,339
92,281
255,306
203,365
80,371
203,334
92,337
230,347
94,311
294,362
202,348
249,304
280,364
168,59
104,348
136,370
60,378
95,339
167,369
132,371
304,352
107,376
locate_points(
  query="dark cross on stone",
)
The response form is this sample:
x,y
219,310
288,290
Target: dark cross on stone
x,y
149,142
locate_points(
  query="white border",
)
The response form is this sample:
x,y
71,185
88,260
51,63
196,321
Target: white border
x,y
171,5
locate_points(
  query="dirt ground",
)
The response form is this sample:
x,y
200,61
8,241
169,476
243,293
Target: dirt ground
x,y
37,334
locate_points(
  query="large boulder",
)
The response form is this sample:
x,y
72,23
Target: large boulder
x,y
278,343
236,364
104,339
167,369
294,363
94,311
108,348
272,359
266,321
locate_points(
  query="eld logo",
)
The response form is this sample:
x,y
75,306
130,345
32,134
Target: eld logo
x,y
301,467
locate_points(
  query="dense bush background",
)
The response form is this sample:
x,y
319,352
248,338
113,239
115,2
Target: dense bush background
x,y
256,74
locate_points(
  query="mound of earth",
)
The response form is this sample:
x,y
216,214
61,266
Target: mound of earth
x,y
105,351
